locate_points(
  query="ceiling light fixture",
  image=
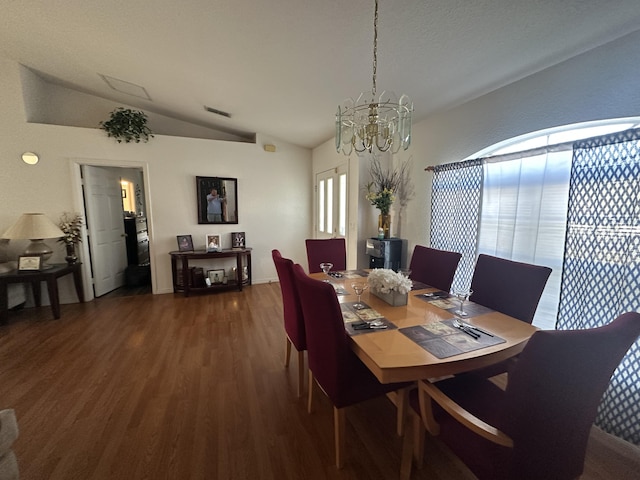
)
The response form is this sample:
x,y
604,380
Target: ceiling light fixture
x,y
381,123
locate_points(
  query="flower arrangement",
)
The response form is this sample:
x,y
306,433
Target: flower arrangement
x,y
71,226
386,280
384,185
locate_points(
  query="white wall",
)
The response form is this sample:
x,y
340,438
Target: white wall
x,y
599,84
273,188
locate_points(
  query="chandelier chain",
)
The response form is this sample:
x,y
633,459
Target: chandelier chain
x,y
375,48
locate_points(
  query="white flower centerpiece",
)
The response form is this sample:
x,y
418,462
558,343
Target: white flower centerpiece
x,y
390,286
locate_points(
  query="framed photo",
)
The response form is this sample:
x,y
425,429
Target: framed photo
x,y
237,240
185,243
29,263
215,276
217,199
213,243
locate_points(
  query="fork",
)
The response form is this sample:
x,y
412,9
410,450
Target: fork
x,y
461,326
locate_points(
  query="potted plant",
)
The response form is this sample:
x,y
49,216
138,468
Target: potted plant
x,y
127,125
71,226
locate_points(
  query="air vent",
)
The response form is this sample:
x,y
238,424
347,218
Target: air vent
x,y
217,112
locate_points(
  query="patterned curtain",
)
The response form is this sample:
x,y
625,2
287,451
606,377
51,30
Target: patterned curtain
x,y
601,269
455,213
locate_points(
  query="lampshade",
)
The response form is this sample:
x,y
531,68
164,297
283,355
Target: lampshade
x,y
35,227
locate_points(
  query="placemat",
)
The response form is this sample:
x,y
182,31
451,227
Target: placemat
x,y
443,340
446,302
360,317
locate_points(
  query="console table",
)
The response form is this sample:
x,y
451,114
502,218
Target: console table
x,y
49,275
183,282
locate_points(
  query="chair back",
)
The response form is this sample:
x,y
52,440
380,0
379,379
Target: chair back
x,y
513,288
553,395
434,267
328,351
331,250
293,320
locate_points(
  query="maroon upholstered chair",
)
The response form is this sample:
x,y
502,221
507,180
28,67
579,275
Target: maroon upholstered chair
x,y
513,288
332,363
539,426
434,267
293,321
320,250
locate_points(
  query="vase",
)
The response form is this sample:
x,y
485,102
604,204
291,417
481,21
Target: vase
x,y
384,223
71,257
393,298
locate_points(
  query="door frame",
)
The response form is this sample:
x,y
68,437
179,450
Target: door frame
x,y
78,202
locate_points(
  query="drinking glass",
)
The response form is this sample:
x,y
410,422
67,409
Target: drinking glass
x,y
405,272
359,288
326,267
462,295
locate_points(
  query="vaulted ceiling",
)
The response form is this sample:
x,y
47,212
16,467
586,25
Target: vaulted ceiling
x,y
280,67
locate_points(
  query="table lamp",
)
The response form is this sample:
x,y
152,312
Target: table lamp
x,y
35,227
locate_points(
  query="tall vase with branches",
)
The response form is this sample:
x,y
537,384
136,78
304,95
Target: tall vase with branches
x,y
383,189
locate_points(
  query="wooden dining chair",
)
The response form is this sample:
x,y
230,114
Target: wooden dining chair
x,y
434,267
332,363
292,310
321,250
513,288
509,287
539,426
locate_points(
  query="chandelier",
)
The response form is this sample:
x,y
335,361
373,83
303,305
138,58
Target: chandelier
x,y
374,122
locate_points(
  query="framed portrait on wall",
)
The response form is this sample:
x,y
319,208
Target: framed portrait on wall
x,y
185,243
213,243
217,200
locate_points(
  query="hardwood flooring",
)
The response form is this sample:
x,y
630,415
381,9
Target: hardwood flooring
x,y
166,387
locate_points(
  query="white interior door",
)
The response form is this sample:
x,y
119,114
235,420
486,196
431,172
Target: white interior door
x,y
105,226
331,203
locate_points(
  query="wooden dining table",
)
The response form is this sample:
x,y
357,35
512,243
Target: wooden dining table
x,y
394,357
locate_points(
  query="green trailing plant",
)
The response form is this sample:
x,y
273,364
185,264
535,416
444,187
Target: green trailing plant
x,y
127,125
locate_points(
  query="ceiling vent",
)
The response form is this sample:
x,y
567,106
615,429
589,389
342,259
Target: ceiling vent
x,y
217,112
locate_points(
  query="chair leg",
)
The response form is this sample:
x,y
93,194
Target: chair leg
x,y
287,354
339,427
407,455
300,373
402,404
418,440
310,392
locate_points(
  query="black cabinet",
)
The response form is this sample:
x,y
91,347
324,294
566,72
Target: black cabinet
x,y
385,253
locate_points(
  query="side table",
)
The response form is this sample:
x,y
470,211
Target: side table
x,y
49,275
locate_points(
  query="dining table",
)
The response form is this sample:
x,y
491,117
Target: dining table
x,y
396,351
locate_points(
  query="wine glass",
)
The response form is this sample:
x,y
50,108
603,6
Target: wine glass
x,y
359,288
462,295
326,267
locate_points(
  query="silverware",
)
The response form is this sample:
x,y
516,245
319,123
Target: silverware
x,y
473,327
461,326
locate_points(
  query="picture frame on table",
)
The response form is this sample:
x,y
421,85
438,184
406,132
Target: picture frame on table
x,y
185,243
29,263
216,277
238,240
212,243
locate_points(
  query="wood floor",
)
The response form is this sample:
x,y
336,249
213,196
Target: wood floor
x,y
163,387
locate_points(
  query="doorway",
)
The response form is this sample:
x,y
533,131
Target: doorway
x,y
116,250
